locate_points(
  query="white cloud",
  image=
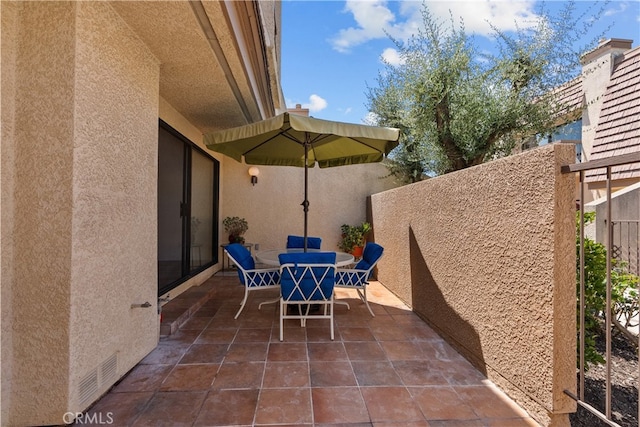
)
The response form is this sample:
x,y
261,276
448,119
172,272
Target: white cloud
x,y
374,19
622,6
315,104
392,57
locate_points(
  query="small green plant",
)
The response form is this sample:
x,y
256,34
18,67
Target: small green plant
x,y
235,228
624,292
353,236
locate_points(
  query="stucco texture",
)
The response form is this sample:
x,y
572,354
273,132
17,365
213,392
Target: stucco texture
x,y
78,205
272,207
487,256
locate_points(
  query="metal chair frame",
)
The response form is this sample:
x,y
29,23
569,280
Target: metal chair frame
x,y
255,280
302,297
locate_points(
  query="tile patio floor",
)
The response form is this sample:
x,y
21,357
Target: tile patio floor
x,y
391,370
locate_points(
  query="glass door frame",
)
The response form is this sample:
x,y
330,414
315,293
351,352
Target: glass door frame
x,y
185,211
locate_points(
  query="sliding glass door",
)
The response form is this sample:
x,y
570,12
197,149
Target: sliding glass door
x,y
188,182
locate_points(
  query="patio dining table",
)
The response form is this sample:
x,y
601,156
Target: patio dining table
x,y
270,256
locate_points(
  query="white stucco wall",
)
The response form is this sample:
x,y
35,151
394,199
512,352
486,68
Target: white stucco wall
x,y
272,207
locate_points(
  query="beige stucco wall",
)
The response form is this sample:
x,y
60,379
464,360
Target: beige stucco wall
x,y
487,256
8,40
272,207
79,156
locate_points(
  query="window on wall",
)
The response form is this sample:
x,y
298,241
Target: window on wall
x,y
188,182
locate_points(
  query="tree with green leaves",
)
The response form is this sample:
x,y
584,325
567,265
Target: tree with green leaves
x,y
457,107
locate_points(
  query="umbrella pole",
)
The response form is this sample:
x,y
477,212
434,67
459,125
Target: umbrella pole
x,y
305,204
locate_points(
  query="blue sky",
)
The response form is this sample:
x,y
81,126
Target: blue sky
x,y
331,49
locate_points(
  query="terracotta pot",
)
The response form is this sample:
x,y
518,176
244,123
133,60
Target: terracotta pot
x,y
357,251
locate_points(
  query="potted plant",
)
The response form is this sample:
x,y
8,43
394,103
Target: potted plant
x,y
235,228
353,238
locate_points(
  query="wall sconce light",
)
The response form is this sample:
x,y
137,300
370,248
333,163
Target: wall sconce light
x,y
254,172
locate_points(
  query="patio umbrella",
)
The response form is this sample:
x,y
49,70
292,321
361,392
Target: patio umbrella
x,y
294,140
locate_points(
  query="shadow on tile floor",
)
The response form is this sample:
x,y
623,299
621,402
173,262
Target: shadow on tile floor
x,y
387,370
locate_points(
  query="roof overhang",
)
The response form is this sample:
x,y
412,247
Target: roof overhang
x,y
219,59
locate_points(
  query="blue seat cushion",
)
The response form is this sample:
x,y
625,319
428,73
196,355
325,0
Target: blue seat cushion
x,y
243,258
298,242
371,255
307,283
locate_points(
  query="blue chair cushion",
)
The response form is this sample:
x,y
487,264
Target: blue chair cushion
x,y
307,284
371,255
242,257
298,242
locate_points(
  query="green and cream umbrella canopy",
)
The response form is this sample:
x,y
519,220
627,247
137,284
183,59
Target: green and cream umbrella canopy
x,y
294,140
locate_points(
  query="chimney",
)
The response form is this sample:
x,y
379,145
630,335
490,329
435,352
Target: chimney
x,y
299,110
597,67
611,48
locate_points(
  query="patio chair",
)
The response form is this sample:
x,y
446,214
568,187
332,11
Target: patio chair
x,y
298,242
307,279
358,277
251,278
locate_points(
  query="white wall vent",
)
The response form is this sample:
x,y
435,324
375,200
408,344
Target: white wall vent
x,y
98,380
109,370
88,387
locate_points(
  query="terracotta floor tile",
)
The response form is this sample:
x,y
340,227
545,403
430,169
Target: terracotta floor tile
x,y
372,373
326,352
365,350
284,406
321,333
180,337
286,374
356,334
442,403
165,354
144,378
458,423
287,352
343,405
120,408
253,335
511,422
403,350
459,372
331,374
216,336
392,332
247,352
419,372
190,377
422,423
391,404
489,402
197,323
292,333
171,409
420,332
441,350
228,407
239,375
205,353
390,370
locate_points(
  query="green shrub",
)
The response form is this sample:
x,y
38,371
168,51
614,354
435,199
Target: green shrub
x,y
624,293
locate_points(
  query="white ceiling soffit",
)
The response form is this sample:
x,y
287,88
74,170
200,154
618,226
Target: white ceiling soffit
x,y
205,73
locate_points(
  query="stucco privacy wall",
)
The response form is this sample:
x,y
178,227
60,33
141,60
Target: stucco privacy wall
x,y
272,207
487,256
83,188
